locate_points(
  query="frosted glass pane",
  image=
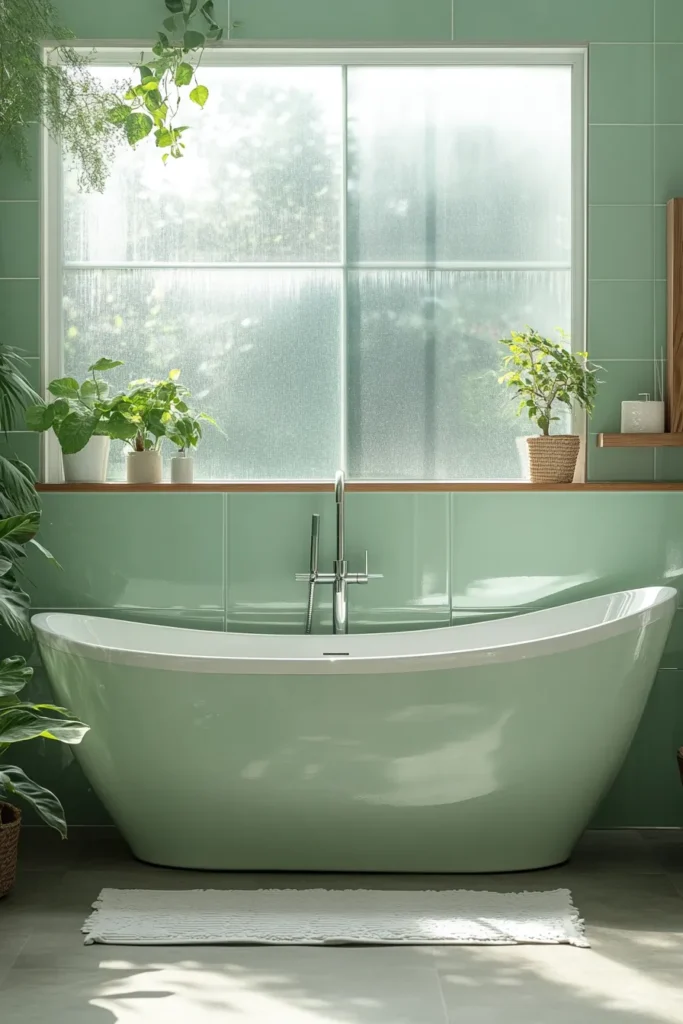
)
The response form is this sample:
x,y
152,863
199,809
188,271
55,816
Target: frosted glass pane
x,y
424,362
460,163
259,350
260,180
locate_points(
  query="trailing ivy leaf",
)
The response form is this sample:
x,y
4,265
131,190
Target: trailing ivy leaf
x,y
169,23
137,126
165,137
145,71
75,430
153,100
64,387
174,6
15,782
118,114
199,95
104,364
184,72
193,40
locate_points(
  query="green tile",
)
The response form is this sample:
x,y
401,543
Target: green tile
x,y
668,162
19,240
355,20
20,305
622,380
550,21
407,539
125,19
635,464
660,242
17,182
609,542
669,467
669,84
620,242
268,543
131,551
647,790
23,446
673,652
620,84
620,164
669,21
620,317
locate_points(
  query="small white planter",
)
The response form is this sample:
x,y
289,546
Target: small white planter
x,y
89,466
144,467
523,455
182,469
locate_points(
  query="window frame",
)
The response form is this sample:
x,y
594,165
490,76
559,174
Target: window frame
x,y
230,54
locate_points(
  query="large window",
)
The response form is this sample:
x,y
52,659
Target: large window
x,y
334,261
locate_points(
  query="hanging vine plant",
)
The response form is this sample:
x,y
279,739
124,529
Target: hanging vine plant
x,y
92,120
152,105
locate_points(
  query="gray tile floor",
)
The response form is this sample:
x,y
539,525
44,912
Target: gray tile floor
x,y
627,884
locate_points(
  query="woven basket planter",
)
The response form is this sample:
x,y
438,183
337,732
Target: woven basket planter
x,y
680,762
552,460
10,824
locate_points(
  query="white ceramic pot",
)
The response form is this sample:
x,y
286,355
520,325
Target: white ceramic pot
x,y
144,467
89,466
182,469
523,454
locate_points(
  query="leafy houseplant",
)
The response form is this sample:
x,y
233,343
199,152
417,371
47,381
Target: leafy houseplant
x,y
185,433
543,373
20,721
147,412
79,418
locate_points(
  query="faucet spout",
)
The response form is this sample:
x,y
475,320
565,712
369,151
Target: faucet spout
x,y
339,495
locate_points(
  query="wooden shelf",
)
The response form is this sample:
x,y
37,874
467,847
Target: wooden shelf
x,y
367,487
640,440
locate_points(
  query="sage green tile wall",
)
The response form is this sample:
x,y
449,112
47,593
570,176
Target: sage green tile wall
x,y
212,561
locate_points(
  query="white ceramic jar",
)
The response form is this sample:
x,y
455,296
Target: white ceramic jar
x,y
89,466
144,467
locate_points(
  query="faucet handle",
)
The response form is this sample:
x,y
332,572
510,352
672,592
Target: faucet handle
x,y
371,575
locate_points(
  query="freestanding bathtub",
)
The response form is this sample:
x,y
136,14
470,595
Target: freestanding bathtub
x,y
462,749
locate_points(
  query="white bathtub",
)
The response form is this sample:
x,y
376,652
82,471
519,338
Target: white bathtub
x,y
469,748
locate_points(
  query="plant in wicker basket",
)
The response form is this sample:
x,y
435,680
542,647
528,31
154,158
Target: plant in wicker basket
x,y
543,374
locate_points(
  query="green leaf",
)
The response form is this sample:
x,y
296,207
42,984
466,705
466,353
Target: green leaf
x,y
104,364
137,126
174,6
15,782
118,114
153,100
39,417
184,71
14,675
43,550
14,608
76,429
29,721
20,529
65,387
169,23
193,40
145,72
199,95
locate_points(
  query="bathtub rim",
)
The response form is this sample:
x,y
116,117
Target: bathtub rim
x,y
662,604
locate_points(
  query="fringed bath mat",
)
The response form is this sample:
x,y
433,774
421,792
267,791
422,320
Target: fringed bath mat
x,y
149,917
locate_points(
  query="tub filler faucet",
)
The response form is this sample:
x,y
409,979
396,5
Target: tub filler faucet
x,y
340,577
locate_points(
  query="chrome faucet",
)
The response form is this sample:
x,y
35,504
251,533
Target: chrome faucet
x,y
340,577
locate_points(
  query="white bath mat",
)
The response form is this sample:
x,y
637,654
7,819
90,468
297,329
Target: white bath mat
x,y
149,917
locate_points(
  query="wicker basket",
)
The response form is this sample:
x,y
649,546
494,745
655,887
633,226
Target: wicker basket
x,y
10,824
552,459
680,762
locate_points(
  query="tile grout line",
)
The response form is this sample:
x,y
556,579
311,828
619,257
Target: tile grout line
x,y
654,201
452,21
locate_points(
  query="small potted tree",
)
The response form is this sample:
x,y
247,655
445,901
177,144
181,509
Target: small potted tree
x,y
543,373
185,433
79,417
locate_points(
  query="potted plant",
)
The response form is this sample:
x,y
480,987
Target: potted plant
x,y
185,433
79,417
21,721
542,374
143,416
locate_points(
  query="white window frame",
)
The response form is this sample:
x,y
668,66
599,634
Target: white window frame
x,y
230,54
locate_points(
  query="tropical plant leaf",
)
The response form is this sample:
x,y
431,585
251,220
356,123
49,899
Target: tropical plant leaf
x,y
39,417
17,493
44,551
75,430
24,722
64,387
118,113
20,528
14,607
14,675
15,782
104,364
184,71
137,126
193,40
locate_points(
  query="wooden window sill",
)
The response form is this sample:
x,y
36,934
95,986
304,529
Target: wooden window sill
x,y
365,486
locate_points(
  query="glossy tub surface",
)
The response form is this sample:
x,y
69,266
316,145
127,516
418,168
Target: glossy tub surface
x,y
460,749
